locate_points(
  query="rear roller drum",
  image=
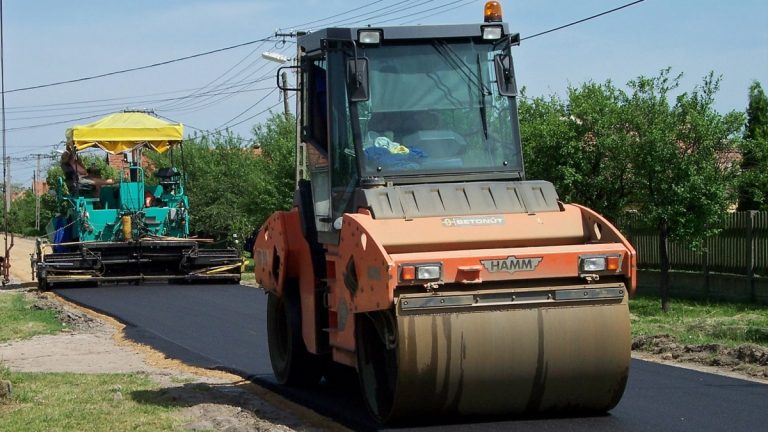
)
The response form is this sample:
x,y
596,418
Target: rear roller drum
x,y
291,362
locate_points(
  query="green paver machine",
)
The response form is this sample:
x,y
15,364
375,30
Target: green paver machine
x,y
125,230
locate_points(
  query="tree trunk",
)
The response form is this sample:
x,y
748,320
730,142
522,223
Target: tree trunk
x,y
664,264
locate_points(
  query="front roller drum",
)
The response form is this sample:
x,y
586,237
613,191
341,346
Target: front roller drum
x,y
564,359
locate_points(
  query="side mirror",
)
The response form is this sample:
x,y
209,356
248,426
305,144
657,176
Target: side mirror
x,y
357,79
505,75
280,82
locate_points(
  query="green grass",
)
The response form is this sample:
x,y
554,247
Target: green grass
x,y
85,402
248,266
700,322
19,321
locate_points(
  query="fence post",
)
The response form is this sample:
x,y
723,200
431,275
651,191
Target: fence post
x,y
705,259
751,254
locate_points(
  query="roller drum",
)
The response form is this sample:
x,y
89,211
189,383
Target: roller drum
x,y
569,357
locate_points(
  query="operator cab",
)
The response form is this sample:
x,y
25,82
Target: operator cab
x,y
392,106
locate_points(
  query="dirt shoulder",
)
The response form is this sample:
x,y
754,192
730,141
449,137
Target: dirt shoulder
x,y
209,400
747,361
21,270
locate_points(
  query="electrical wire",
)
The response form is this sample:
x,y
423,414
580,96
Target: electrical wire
x,y
223,125
133,69
212,97
34,108
166,62
206,102
429,10
225,73
364,17
466,3
582,20
331,17
144,102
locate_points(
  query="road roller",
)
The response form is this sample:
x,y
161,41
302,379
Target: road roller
x,y
418,253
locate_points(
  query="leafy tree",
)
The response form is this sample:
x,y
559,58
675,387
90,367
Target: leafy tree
x,y
233,187
683,186
21,217
277,167
550,145
612,149
757,114
753,183
581,146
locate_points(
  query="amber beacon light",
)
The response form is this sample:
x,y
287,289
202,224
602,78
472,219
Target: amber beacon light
x,y
492,11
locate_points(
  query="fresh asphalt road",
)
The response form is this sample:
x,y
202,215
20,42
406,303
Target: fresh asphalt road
x,y
224,327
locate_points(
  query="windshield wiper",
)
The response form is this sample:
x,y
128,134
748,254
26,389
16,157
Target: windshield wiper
x,y
473,78
450,55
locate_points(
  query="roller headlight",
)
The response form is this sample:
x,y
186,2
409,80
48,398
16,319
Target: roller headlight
x,y
593,264
492,32
599,263
428,272
421,272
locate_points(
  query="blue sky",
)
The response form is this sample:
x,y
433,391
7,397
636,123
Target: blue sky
x,y
48,41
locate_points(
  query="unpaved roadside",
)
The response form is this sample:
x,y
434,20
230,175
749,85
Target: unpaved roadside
x,y
746,361
21,269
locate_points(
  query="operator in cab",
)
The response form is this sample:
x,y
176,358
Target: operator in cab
x,y
78,178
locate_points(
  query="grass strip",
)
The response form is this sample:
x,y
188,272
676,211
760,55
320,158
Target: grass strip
x,y
701,322
18,320
85,402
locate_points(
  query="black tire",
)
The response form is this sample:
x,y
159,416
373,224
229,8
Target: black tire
x,y
377,370
42,284
292,364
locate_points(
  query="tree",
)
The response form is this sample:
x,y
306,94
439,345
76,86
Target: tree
x,y
581,146
611,150
683,186
753,183
277,167
232,187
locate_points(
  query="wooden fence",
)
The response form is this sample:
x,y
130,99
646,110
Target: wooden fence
x,y
740,248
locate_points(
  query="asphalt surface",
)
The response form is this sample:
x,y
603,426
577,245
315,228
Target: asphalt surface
x,y
224,327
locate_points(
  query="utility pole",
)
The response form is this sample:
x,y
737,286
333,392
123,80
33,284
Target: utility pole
x,y
37,193
6,258
7,185
286,109
301,149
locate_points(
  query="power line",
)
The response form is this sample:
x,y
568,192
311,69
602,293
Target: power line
x,y
428,10
143,103
582,20
246,110
57,122
34,108
175,60
133,69
353,19
220,96
233,67
212,100
466,3
332,16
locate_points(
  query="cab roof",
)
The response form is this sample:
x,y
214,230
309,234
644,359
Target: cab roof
x,y
314,41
